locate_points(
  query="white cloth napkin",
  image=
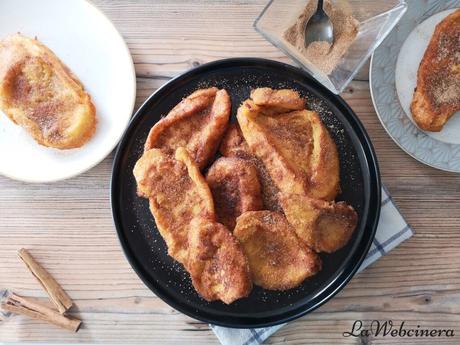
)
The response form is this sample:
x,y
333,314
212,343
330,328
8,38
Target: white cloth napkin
x,y
391,231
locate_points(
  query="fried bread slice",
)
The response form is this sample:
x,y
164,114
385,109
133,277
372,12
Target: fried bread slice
x,y
177,193
234,145
216,262
296,149
277,101
235,188
322,225
39,93
437,95
198,123
277,259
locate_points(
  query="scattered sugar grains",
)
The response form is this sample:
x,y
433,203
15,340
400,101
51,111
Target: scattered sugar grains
x,y
445,85
322,54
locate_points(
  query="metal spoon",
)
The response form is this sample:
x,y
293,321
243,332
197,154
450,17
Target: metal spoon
x,y
319,27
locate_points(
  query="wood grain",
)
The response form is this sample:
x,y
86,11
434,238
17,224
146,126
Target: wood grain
x,y
67,225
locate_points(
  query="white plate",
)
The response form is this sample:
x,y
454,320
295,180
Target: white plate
x,y
409,58
439,153
87,42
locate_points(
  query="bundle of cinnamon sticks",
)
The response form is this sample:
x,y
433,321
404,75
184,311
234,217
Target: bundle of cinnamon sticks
x,y
36,310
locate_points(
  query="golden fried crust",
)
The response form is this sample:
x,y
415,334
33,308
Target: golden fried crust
x,y
197,123
234,145
235,188
277,101
296,149
177,193
39,93
277,259
437,95
323,226
216,262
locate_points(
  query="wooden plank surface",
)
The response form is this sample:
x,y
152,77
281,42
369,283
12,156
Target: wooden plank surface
x,y
68,226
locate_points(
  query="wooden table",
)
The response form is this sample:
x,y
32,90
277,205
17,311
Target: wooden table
x,y
68,225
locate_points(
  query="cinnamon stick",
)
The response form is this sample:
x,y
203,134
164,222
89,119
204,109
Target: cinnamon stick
x,y
24,306
57,295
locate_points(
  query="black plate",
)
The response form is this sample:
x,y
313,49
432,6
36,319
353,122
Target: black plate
x,y
146,250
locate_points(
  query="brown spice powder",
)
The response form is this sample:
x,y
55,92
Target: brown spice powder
x,y
445,82
321,54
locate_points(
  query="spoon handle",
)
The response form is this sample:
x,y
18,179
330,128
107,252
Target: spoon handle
x,y
320,5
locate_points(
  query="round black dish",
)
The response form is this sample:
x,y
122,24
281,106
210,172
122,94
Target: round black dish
x,y
146,250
